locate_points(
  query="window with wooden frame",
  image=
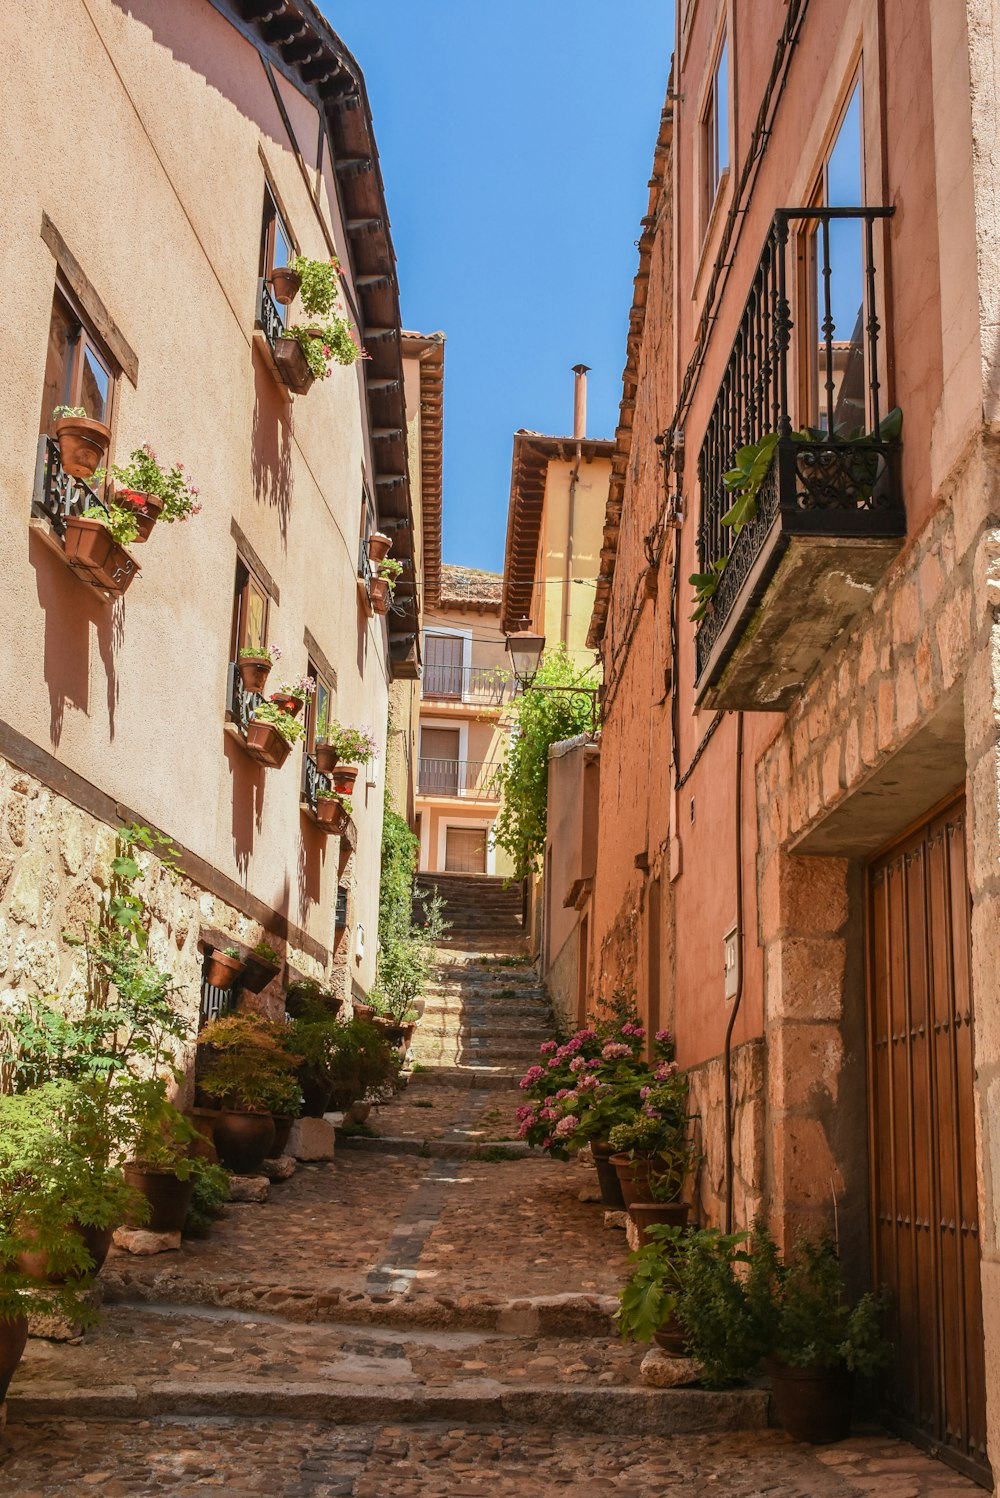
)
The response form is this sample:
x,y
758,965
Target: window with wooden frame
x,y
251,606
79,370
833,376
320,708
369,525
715,130
276,245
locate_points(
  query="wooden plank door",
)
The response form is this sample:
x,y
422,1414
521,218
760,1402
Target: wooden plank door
x,y
923,1142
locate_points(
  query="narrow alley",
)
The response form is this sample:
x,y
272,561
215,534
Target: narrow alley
x,y
430,1313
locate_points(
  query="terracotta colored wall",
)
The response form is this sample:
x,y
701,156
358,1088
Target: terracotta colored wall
x,y
158,193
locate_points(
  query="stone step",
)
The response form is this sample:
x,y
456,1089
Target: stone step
x,y
490,1078
446,1148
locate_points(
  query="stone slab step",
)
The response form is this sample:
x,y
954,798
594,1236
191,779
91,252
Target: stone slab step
x,y
438,1149
637,1411
491,1078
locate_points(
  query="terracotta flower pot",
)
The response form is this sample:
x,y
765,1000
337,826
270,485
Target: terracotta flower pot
x,y
331,815
379,547
326,758
390,1028
607,1176
147,509
243,1140
635,1174
672,1337
293,366
254,671
363,1011
83,443
343,777
97,1242
258,973
378,592
285,284
168,1197
92,550
221,970
649,1214
13,1339
812,1404
287,702
282,1129
266,743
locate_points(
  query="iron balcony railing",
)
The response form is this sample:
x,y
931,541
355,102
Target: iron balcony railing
x,y
471,780
312,783
58,494
240,704
831,485
269,318
484,686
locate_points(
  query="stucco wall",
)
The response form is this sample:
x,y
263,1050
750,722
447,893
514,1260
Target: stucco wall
x,y
158,194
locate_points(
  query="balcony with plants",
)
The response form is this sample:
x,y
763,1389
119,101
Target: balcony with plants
x,y
267,728
300,353
798,522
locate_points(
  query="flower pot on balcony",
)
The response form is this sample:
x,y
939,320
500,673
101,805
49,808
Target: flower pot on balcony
x,y
287,702
147,509
331,816
83,443
378,592
92,550
221,970
254,671
169,1197
285,284
379,546
243,1140
343,777
267,744
13,1339
326,757
293,365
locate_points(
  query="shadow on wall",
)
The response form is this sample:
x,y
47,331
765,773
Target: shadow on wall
x,y
73,612
271,449
312,856
248,780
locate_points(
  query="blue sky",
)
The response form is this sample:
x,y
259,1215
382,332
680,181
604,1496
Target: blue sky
x,y
516,141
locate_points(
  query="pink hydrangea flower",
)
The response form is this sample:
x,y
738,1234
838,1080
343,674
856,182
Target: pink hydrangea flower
x,y
615,1050
546,1047
567,1125
577,1064
664,1035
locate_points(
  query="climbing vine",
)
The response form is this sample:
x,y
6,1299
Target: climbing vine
x,y
539,720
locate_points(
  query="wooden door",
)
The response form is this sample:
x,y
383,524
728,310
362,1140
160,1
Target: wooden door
x,y
923,1142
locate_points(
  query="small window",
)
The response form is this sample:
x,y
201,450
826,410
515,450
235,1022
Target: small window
x,y
320,708
465,850
250,611
276,247
368,527
78,369
715,129
443,661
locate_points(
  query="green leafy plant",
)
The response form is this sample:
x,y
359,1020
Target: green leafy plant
x,y
307,997
331,343
320,285
329,795
252,1065
208,1199
538,720
117,519
390,570
265,952
260,653
290,728
143,475
352,746
406,943
58,412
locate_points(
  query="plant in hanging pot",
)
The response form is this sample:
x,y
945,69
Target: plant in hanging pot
x,y
333,811
271,733
382,586
83,441
95,544
291,695
252,1072
379,546
223,966
152,492
340,749
262,965
254,663
817,1338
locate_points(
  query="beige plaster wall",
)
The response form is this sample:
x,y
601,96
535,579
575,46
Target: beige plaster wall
x,y
158,193
566,605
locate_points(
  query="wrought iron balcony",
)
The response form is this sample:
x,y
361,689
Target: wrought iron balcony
x,y
829,513
57,494
286,357
312,783
240,704
481,686
466,779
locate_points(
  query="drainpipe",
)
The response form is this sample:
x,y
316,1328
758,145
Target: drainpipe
x,y
738,996
579,433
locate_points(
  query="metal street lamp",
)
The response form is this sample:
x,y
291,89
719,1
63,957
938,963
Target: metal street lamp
x,y
525,650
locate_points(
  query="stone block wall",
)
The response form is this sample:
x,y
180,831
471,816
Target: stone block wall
x,y
707,1102
55,862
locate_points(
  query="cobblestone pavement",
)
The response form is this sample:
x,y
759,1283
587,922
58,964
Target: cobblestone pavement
x,y
387,1291
190,1458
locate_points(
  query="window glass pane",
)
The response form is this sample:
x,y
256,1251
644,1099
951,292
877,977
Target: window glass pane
x,y
95,385
255,624
283,252
57,389
323,706
722,113
843,383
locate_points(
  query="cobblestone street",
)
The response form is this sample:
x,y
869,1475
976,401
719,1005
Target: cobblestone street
x,y
423,1316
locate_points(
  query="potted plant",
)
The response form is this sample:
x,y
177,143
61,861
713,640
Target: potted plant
x,y
340,747
394,1017
382,586
309,996
379,546
163,1168
223,966
292,694
315,1037
251,1071
271,733
262,965
83,441
333,811
254,663
817,1338
365,1064
653,1155
95,544
305,354
152,492
684,1292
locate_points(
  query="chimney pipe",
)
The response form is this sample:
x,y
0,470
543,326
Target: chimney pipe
x,y
580,401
